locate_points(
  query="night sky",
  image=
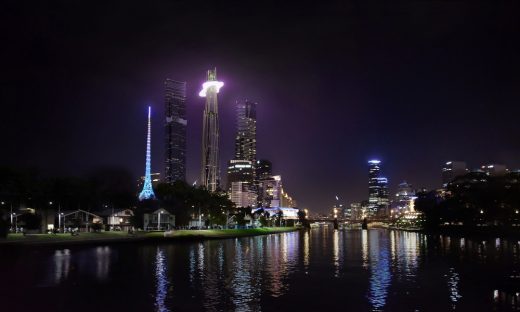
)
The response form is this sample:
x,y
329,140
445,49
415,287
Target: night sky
x,y
413,83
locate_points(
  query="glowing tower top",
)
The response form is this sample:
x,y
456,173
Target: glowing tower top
x,y
147,192
210,133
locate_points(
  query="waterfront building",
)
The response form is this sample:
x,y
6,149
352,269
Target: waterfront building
x,y
117,219
271,188
404,194
242,194
451,170
160,219
356,211
286,200
147,192
377,190
175,131
210,133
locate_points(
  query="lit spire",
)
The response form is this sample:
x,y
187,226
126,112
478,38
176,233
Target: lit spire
x,y
147,192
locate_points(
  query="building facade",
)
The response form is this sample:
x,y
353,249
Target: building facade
x,y
209,177
175,131
377,190
245,141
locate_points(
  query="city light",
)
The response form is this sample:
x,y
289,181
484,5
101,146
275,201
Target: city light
x,y
208,84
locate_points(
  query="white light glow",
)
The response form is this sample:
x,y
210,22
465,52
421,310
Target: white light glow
x,y
209,84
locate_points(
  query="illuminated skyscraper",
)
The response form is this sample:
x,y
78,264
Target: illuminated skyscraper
x,y
210,133
147,192
377,190
245,142
175,131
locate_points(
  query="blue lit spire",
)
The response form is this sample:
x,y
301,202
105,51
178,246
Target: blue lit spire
x,y
147,192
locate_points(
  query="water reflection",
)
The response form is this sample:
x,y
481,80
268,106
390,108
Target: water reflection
x,y
161,281
102,262
380,270
453,286
335,252
61,265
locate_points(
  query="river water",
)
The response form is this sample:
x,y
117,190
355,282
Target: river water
x,y
319,269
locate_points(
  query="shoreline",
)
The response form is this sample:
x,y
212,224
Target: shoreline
x,y
32,240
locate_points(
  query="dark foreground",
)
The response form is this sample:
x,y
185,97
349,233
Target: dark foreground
x,y
320,269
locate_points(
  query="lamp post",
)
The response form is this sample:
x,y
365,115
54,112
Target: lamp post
x,y
199,219
15,221
159,221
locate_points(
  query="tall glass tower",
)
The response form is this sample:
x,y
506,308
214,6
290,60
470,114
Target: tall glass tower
x,y
245,141
147,192
175,131
377,190
210,132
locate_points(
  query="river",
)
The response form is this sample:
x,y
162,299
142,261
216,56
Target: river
x,y
316,270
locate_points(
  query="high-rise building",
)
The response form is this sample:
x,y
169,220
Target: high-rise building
x,y
175,131
377,190
240,171
451,170
245,141
404,195
356,212
147,192
210,133
242,195
271,188
264,169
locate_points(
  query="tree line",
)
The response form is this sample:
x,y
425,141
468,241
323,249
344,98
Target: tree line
x,y
475,199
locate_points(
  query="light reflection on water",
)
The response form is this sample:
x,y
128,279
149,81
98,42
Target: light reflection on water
x,y
379,270
161,281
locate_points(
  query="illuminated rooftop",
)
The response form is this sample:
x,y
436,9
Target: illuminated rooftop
x,y
209,84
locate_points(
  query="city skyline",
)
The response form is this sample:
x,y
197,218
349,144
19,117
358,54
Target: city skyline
x,y
400,86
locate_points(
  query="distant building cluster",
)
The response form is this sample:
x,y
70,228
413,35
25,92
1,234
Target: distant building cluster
x,y
380,205
250,182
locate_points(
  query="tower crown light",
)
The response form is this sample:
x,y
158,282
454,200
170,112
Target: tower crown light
x,y
209,84
374,161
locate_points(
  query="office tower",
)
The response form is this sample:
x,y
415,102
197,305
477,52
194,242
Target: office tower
x,y
147,192
240,171
245,142
451,170
264,169
175,131
210,133
377,190
403,196
356,212
271,188
242,195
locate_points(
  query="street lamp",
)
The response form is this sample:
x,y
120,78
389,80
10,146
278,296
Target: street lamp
x,y
159,223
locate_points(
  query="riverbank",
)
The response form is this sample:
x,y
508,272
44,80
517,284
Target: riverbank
x,y
124,237
476,231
